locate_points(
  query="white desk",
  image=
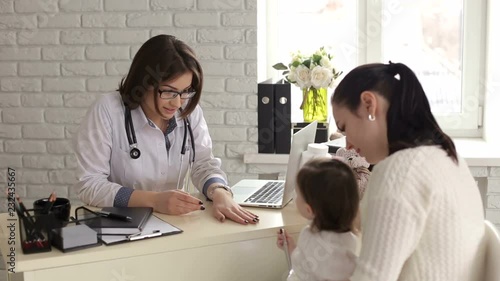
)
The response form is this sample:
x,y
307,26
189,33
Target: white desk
x,y
207,250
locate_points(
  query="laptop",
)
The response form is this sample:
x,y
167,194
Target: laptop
x,y
276,193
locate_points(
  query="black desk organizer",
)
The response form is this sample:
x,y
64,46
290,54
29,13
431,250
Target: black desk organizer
x,y
40,232
35,232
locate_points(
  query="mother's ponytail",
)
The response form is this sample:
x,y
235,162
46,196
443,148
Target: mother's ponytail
x,y
410,122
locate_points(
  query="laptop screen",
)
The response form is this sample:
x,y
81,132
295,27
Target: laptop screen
x,y
300,141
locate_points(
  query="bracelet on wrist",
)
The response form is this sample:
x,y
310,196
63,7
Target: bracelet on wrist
x,y
212,189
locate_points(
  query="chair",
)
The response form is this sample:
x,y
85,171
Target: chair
x,y
492,258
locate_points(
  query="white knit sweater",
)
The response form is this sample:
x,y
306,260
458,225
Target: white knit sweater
x,y
422,220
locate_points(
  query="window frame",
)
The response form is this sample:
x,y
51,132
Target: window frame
x,y
467,123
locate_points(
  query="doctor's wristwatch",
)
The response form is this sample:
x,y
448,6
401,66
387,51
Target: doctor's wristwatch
x,y
211,190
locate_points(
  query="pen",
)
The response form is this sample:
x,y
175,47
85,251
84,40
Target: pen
x,y
25,213
28,222
50,203
285,247
114,216
138,236
29,227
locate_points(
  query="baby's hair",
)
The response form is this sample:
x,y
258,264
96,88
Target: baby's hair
x,y
329,187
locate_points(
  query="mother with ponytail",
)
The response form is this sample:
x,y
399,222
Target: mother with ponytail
x,y
422,216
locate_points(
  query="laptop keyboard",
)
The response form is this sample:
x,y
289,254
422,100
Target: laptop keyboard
x,y
271,192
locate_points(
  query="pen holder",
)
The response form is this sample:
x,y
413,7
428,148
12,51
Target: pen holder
x,y
60,208
35,233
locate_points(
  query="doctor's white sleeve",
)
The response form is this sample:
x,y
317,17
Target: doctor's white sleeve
x,y
206,168
92,145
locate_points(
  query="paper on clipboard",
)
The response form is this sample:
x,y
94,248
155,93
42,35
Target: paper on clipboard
x,y
154,227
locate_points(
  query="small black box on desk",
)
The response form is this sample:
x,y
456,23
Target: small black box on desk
x,y
321,131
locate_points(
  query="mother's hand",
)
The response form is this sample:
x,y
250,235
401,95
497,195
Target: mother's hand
x,y
225,207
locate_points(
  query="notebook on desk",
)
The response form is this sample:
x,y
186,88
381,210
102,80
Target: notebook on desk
x,y
111,226
155,227
276,194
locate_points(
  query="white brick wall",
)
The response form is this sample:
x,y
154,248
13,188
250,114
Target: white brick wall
x,y
8,69
58,56
80,5
39,69
103,20
19,53
59,20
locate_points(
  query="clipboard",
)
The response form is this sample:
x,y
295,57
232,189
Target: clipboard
x,y
155,227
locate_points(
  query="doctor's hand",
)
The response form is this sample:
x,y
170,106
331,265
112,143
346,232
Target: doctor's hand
x,y
225,207
176,202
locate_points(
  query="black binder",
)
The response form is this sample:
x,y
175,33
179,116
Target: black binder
x,y
265,111
282,117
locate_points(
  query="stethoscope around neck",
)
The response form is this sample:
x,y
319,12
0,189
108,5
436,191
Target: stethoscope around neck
x,y
135,153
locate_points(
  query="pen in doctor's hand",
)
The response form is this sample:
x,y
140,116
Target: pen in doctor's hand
x,y
285,247
114,216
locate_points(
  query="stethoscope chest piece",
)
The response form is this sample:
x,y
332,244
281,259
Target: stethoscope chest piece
x,y
135,153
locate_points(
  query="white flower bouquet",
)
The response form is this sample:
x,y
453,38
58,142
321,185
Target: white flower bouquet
x,y
313,75
314,71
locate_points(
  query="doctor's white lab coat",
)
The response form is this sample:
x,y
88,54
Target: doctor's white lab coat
x,y
103,157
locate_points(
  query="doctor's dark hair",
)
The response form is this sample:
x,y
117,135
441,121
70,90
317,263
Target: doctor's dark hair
x,y
161,58
330,188
410,122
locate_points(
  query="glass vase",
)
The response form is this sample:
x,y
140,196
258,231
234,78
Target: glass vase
x,y
314,104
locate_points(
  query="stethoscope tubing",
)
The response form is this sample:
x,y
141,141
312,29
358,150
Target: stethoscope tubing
x,y
132,140
187,127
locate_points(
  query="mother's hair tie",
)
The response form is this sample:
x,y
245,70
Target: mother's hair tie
x,y
392,68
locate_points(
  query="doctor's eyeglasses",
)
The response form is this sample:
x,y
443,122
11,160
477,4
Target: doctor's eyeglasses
x,y
171,94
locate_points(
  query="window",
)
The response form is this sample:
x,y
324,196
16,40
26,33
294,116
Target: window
x,y
443,41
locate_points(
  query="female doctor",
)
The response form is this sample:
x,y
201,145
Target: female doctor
x,y
136,146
